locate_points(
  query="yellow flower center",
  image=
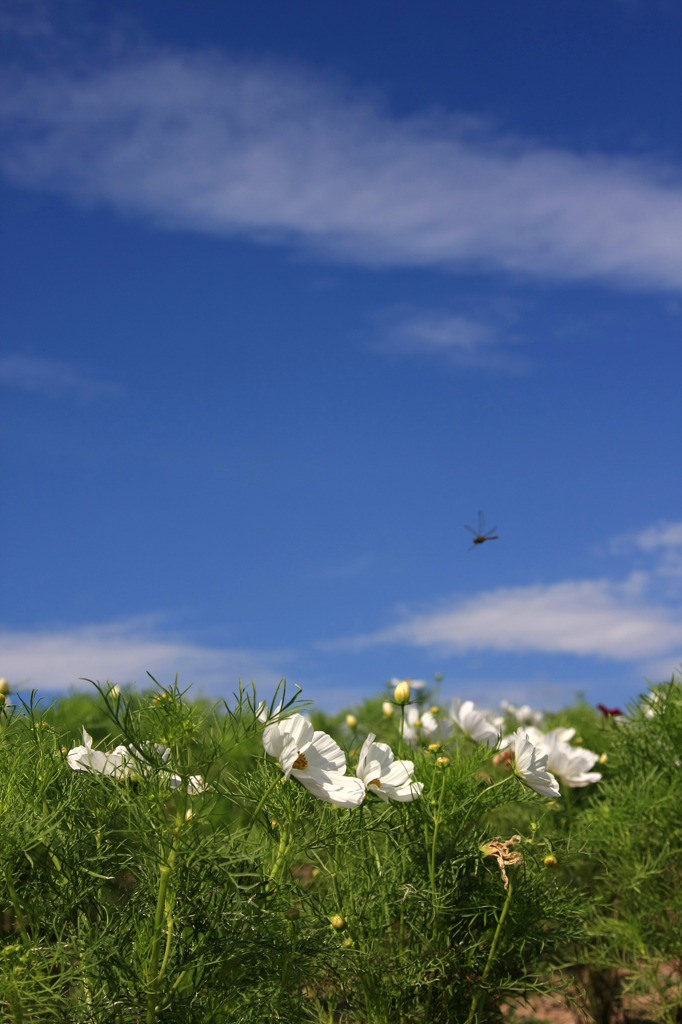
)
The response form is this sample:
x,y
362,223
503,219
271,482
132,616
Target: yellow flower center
x,y
301,762
375,782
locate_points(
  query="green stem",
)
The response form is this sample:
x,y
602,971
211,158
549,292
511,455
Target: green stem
x,y
153,972
19,914
163,913
473,1012
432,856
15,1005
403,875
382,881
285,840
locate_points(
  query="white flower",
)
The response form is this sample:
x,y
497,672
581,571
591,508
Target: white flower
x,y
543,741
562,759
263,713
314,758
523,714
424,725
195,784
473,722
381,774
531,767
143,758
571,764
85,759
125,761
651,704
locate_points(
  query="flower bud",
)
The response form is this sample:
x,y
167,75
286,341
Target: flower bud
x,y
387,708
4,687
351,721
338,923
603,758
434,709
115,691
550,861
443,762
401,694
433,747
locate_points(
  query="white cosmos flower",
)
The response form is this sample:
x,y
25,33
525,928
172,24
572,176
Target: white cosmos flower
x,y
123,761
473,722
263,713
314,758
423,725
85,759
195,784
571,764
543,741
524,714
531,766
145,757
382,774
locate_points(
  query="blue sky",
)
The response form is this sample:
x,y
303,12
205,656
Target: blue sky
x,y
290,292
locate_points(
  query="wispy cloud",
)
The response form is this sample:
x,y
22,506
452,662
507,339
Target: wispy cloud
x,y
456,338
278,155
661,670
51,377
662,536
660,544
593,617
359,565
123,652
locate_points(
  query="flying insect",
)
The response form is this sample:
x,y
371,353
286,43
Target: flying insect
x,y
481,535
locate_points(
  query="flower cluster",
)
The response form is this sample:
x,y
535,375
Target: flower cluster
x,y
125,762
570,764
318,763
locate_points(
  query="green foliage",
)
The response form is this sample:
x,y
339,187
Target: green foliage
x,y
633,832
146,895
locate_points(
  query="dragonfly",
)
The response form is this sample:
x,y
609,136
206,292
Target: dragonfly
x,y
481,535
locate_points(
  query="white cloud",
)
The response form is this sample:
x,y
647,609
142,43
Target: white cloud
x,y
658,536
197,141
123,652
457,338
660,544
50,376
597,618
359,565
661,670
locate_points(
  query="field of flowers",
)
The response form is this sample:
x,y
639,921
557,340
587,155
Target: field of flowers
x,y
167,860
